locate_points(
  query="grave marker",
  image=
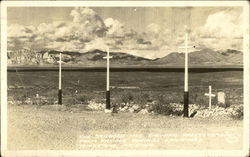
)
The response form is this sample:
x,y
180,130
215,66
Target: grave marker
x,y
107,85
185,108
221,98
210,95
60,80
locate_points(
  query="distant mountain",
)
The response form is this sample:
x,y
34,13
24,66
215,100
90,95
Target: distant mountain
x,y
95,58
233,56
91,58
204,57
172,58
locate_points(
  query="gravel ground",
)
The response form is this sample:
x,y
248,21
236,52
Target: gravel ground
x,y
62,128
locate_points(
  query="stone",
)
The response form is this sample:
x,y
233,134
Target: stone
x,y
135,107
143,111
95,106
221,98
107,111
11,102
28,101
131,110
124,108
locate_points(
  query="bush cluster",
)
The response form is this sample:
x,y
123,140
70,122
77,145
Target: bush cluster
x,y
238,112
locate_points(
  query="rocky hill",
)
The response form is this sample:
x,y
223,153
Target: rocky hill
x,y
204,57
95,58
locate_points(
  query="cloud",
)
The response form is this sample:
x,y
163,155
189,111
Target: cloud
x,y
97,43
20,36
87,31
222,25
153,29
115,29
66,46
87,23
85,27
20,31
222,30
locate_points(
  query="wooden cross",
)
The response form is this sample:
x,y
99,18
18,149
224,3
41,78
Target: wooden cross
x,y
107,85
60,80
210,95
186,47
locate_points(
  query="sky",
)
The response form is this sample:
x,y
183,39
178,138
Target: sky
x,y
150,32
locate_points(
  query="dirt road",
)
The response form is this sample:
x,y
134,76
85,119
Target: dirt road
x,y
65,128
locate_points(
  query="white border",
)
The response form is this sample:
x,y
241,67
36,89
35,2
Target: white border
x,y
122,3
6,4
246,78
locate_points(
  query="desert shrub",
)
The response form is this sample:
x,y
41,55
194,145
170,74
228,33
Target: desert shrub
x,y
198,97
122,97
163,106
142,98
99,98
69,100
51,100
39,101
238,112
77,98
83,99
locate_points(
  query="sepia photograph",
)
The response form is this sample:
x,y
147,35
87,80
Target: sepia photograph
x,y
125,78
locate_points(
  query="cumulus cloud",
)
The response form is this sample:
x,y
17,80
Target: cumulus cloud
x,y
115,28
87,23
85,27
20,31
222,30
97,43
222,25
88,31
20,36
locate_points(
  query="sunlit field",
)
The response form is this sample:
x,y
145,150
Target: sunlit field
x,y
80,87
60,128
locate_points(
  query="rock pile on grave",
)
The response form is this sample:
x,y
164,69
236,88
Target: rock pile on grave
x,y
134,108
95,106
176,108
129,107
38,100
143,111
220,111
41,100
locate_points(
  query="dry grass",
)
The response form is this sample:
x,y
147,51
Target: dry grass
x,y
44,127
91,85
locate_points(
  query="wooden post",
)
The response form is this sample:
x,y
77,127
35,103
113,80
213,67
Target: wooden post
x,y
210,95
186,93
185,109
60,80
108,106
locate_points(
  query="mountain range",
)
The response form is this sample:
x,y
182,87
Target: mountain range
x,y
200,58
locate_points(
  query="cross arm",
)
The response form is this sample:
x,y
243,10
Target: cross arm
x,y
207,94
183,47
107,57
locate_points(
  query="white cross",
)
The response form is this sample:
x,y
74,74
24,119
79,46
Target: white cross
x,y
186,47
60,71
210,95
107,57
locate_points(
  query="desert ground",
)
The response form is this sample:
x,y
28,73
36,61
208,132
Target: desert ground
x,y
35,121
50,128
